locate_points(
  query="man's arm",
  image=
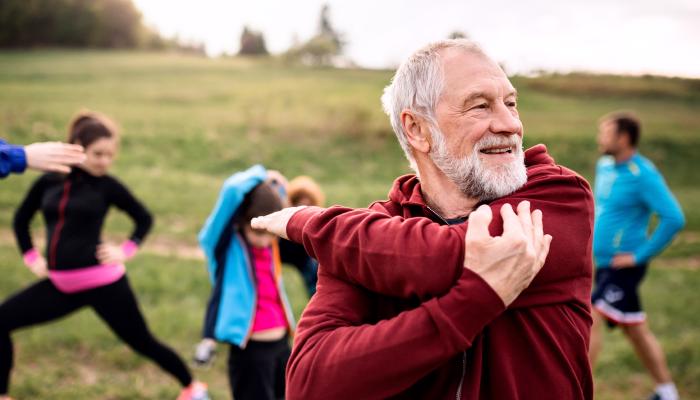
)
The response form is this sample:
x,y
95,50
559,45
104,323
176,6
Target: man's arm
x,y
417,257
338,355
658,197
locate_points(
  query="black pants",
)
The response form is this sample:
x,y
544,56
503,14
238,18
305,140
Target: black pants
x,y
114,303
257,372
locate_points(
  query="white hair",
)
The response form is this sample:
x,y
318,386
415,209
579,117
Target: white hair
x,y
417,87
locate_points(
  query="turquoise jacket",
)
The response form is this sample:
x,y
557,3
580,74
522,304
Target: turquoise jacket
x,y
627,194
237,297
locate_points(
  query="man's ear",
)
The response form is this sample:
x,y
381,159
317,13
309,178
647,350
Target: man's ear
x,y
417,131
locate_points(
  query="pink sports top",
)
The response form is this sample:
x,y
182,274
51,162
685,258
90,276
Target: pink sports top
x,y
269,313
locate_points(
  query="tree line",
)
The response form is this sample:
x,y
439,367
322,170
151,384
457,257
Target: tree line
x,y
79,23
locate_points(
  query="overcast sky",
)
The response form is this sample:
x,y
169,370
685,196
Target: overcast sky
x,y
626,36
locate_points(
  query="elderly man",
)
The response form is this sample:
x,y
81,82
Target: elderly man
x,y
405,308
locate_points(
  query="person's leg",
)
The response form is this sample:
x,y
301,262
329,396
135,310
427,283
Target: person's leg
x,y
36,304
596,336
649,351
281,367
117,306
252,372
602,278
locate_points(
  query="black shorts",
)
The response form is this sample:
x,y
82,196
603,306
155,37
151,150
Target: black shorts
x,y
616,294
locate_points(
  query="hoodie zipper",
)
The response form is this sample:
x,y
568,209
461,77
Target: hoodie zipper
x,y
59,225
461,380
458,396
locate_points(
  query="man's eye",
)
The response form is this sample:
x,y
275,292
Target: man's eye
x,y
481,106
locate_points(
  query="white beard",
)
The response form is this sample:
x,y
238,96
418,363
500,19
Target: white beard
x,y
472,177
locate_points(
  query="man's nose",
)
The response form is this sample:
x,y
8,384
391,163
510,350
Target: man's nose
x,y
504,122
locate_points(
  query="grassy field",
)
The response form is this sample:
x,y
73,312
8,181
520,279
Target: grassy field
x,y
190,122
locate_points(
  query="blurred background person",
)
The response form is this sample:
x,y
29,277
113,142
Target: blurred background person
x,y
303,191
629,190
80,270
248,307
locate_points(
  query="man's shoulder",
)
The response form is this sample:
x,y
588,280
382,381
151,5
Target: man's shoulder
x,y
644,165
554,174
388,207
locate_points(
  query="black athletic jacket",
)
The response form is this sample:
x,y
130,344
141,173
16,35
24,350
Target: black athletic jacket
x,y
74,207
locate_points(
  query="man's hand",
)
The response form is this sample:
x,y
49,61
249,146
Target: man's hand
x,y
276,223
623,260
108,254
53,156
508,263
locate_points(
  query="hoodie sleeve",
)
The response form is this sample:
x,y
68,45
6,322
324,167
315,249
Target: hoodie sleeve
x,y
394,256
407,257
12,159
658,197
338,355
231,196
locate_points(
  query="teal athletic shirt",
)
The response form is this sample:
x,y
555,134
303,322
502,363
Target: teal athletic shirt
x,y
627,194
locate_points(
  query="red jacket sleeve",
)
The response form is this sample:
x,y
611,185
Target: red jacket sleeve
x,y
394,256
338,355
406,257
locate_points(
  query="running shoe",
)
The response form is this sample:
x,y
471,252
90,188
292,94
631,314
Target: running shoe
x,y
195,391
204,353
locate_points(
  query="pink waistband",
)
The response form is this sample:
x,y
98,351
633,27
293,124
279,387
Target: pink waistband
x,y
78,280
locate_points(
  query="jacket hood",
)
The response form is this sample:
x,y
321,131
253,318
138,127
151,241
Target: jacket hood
x,y
407,188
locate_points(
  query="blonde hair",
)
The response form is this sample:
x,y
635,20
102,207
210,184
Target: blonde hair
x,y
304,186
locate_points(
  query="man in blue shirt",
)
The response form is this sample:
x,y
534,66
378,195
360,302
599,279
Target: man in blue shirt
x,y
628,191
48,156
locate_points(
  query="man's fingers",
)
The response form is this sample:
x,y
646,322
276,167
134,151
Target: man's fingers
x,y
537,225
544,250
537,229
479,221
525,218
64,169
511,222
260,222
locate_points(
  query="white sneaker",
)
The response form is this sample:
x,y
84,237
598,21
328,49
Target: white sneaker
x,y
204,353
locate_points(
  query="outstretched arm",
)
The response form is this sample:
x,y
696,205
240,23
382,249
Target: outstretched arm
x,y
407,257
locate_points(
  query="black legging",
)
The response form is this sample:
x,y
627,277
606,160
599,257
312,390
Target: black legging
x,y
114,303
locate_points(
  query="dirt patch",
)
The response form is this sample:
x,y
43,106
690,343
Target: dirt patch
x,y
155,244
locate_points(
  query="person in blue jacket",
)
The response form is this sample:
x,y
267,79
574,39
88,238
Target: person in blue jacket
x,y
628,191
248,307
45,156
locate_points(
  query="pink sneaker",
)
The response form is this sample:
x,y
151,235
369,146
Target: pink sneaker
x,y
195,391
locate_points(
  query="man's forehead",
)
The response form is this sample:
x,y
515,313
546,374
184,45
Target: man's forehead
x,y
468,73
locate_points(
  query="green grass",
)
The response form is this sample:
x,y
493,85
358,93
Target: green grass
x,y
189,122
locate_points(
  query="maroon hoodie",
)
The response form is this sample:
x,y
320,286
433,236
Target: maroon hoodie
x,y
397,315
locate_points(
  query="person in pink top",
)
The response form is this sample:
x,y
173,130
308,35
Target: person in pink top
x,y
248,307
